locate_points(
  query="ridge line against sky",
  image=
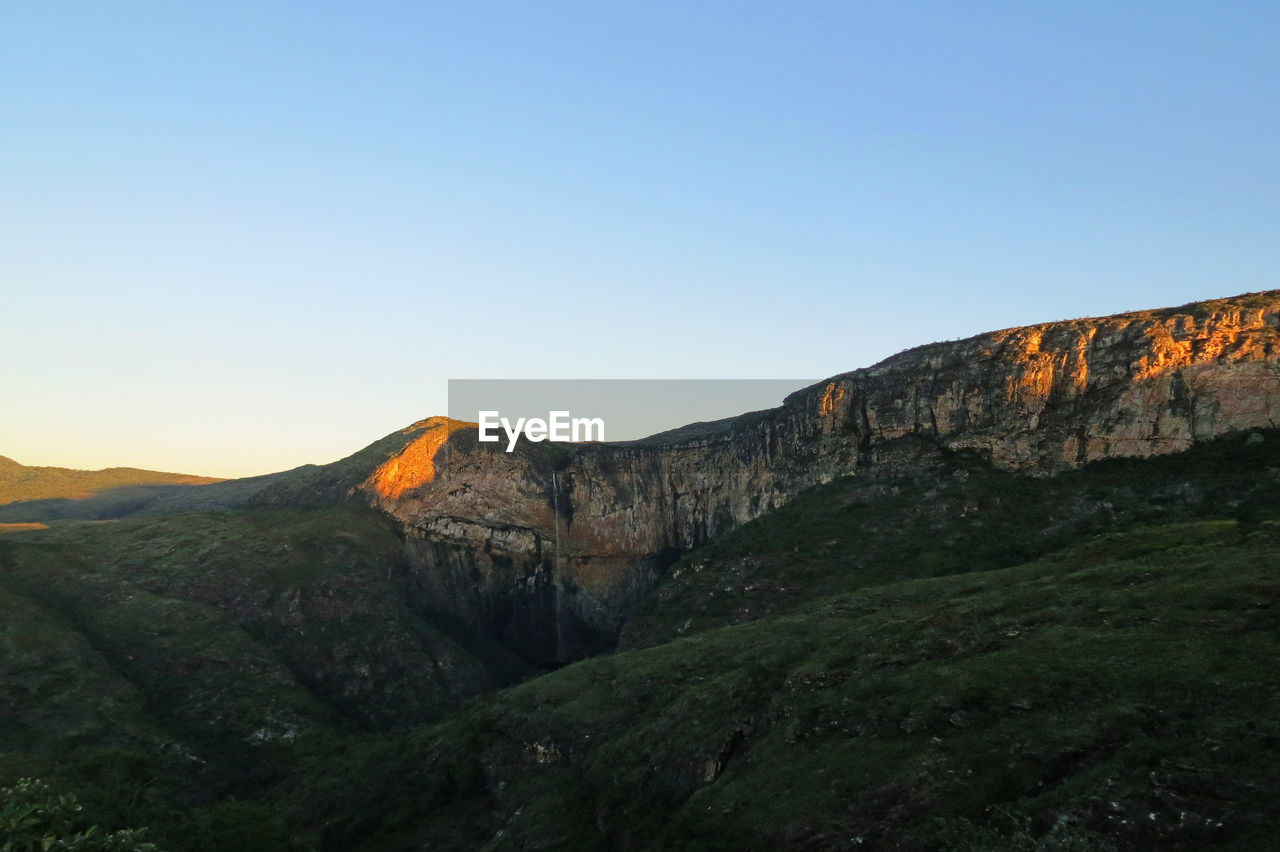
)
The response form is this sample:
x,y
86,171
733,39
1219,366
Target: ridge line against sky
x,y
236,237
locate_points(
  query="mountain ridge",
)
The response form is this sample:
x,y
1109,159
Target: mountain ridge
x,y
22,483
570,538
549,548
890,612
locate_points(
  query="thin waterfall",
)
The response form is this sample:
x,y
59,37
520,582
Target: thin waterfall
x,y
555,565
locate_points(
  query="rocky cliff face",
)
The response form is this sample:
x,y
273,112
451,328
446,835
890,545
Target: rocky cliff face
x,y
548,547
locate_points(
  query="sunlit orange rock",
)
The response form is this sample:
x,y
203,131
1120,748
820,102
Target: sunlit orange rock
x,y
415,465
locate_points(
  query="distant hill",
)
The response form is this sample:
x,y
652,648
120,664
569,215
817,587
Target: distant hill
x,y
151,493
19,482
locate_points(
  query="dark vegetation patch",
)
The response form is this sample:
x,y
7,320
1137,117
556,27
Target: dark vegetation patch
x,y
964,661
171,671
965,517
1085,700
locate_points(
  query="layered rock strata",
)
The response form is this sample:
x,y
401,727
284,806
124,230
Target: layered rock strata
x,y
547,548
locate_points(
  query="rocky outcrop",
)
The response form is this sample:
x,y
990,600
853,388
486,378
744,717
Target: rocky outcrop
x,y
1055,396
547,548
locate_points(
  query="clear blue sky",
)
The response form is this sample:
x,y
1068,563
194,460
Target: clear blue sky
x,y
236,237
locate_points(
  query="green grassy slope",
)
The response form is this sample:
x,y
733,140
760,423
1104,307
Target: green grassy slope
x,y
199,655
966,660
21,483
965,516
1120,693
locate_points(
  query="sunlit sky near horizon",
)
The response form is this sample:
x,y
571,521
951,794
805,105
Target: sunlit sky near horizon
x,y
239,237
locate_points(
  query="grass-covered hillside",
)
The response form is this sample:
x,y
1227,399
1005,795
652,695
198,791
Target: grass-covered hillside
x,y
963,660
964,517
1121,693
22,483
43,494
156,667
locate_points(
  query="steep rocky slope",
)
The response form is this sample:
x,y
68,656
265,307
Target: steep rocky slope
x,y
550,547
